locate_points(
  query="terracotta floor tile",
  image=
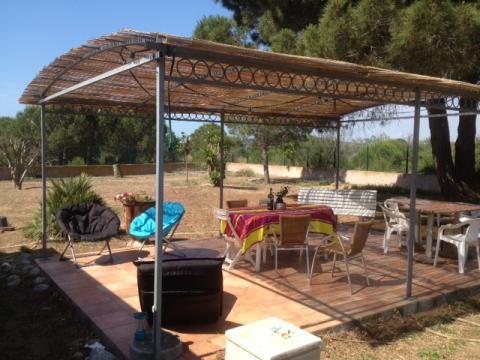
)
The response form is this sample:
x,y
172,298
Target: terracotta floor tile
x,y
114,319
133,302
204,349
120,332
106,308
108,294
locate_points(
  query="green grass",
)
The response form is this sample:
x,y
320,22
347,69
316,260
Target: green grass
x,y
245,173
429,354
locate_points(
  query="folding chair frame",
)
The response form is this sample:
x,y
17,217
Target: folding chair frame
x,y
298,247
166,241
75,256
230,243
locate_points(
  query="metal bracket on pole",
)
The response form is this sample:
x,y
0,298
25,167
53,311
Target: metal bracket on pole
x,y
222,157
413,197
43,144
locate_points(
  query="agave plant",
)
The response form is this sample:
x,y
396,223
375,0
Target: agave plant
x,y
63,193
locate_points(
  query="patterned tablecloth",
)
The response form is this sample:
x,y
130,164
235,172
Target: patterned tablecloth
x,y
252,224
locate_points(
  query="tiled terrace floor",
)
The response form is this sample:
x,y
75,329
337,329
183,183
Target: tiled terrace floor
x,y
107,293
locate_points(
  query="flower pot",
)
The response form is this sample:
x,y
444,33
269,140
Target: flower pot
x,y
280,206
128,215
131,211
142,206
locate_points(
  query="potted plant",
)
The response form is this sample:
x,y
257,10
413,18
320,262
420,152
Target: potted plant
x,y
133,205
279,204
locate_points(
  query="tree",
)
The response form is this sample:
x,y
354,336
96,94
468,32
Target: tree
x,y
267,137
321,150
284,41
352,31
442,39
105,139
72,136
383,154
285,14
126,139
205,148
467,69
436,38
433,37
19,143
218,28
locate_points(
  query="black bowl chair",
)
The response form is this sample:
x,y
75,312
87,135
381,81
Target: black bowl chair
x,y
87,222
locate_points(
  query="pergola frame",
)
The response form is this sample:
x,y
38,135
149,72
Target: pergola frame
x,y
79,79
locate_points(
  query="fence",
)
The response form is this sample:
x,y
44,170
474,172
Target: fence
x,y
102,170
353,177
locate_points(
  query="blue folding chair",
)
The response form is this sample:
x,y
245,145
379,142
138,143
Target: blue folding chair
x,y
144,226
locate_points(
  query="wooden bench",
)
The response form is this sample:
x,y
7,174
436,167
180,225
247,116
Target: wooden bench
x,y
361,203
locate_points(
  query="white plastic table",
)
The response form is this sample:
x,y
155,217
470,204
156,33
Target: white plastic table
x,y
435,207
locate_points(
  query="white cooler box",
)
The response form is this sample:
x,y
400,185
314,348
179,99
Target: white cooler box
x,y
271,339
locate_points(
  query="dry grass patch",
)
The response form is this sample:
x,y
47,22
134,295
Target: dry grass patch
x,y
429,335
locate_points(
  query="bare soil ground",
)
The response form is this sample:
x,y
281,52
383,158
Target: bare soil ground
x,y
44,326
38,325
198,197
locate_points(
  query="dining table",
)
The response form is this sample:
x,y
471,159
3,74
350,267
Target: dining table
x,y
430,208
253,224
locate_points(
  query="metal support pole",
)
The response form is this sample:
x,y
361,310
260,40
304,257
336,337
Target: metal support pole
x,y
222,157
337,158
43,144
406,160
413,196
160,126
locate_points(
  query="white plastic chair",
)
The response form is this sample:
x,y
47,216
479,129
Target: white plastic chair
x,y
395,222
461,241
233,245
391,204
472,216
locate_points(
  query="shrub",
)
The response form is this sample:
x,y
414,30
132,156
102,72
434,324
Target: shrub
x,y
64,192
214,177
245,172
77,161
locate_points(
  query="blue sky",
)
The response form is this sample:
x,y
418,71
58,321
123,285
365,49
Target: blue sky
x,y
34,32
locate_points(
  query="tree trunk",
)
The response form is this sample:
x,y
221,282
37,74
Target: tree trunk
x,y
266,173
442,152
452,189
465,149
16,178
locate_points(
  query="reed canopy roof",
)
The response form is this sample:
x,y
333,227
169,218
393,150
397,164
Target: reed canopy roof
x,y
204,78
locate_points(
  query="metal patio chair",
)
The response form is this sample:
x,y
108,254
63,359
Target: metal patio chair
x,y
348,249
87,222
144,226
293,236
235,204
